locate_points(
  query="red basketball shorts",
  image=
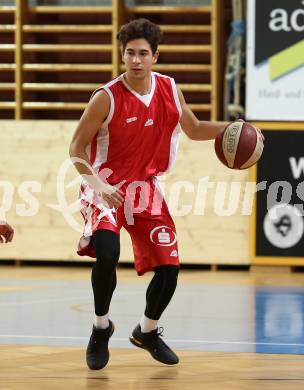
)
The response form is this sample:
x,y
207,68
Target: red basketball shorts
x,y
145,215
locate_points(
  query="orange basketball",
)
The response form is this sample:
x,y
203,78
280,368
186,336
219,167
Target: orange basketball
x,y
239,146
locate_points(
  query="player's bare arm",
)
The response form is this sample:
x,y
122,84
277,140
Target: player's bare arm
x,y
199,130
94,115
195,129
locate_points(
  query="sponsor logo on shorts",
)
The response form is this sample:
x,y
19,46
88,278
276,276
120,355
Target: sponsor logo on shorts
x,y
163,236
107,215
174,253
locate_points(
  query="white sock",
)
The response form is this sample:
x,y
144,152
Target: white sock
x,y
102,322
147,325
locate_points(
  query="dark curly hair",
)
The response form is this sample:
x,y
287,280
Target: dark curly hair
x,y
140,28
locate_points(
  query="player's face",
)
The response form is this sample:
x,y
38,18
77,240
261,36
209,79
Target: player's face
x,y
138,58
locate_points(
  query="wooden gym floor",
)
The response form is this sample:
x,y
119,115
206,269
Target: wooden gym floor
x,y
231,330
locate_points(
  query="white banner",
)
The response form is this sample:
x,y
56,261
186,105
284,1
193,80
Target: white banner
x,y
275,60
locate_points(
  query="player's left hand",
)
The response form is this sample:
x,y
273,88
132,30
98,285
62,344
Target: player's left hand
x,y
261,134
6,232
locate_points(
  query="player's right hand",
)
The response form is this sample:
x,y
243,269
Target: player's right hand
x,y
6,232
113,197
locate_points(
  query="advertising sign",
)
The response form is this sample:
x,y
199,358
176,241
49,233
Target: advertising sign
x,y
280,199
275,60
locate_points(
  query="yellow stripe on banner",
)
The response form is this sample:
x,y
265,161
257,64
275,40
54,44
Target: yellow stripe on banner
x,y
286,60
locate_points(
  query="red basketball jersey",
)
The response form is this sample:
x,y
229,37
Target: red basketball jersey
x,y
139,139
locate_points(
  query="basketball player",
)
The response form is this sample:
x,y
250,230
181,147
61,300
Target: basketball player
x,y
6,232
129,135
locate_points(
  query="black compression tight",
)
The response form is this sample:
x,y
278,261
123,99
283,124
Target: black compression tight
x,y
159,291
107,247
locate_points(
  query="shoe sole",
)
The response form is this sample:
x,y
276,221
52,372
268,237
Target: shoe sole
x,y
136,343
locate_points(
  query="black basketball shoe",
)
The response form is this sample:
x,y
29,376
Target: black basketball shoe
x,y
154,344
97,350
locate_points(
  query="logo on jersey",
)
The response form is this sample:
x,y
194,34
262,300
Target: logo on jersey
x,y
130,120
283,226
163,236
149,122
174,253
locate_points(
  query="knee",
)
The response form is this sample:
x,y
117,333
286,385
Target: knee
x,y
106,244
168,273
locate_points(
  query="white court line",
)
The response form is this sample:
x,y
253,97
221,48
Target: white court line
x,y
168,340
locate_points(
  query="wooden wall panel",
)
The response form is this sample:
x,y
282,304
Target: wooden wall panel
x,y
35,150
